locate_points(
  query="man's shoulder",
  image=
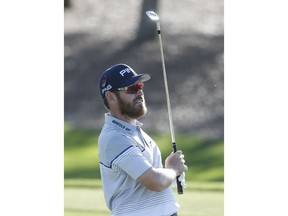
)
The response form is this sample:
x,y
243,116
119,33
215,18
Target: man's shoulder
x,y
112,133
114,140
113,143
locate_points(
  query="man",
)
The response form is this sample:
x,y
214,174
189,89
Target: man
x,y
133,178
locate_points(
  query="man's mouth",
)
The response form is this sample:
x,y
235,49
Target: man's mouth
x,y
138,100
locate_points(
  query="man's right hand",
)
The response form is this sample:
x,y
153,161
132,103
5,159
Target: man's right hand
x,y
176,162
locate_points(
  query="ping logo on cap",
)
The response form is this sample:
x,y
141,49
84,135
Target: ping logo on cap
x,y
106,89
126,70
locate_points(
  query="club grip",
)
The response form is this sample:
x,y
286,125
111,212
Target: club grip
x,y
179,186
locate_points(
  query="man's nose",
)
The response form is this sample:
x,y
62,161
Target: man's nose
x,y
140,92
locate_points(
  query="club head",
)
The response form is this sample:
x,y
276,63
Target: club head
x,y
152,15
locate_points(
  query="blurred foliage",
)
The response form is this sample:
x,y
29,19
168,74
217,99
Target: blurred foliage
x,y
205,159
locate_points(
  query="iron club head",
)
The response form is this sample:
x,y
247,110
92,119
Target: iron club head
x,y
152,15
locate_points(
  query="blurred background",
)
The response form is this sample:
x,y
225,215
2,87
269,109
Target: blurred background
x,y
98,34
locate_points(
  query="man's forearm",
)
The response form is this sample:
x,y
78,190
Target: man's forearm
x,y
157,179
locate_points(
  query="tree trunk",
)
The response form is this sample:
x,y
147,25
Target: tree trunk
x,y
147,28
67,3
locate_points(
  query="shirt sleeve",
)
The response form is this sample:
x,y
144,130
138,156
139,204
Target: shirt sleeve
x,y
132,162
126,156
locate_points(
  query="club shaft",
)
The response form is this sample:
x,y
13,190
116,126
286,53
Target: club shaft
x,y
179,186
166,86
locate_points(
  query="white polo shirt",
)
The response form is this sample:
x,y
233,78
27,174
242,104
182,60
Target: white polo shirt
x,y
125,153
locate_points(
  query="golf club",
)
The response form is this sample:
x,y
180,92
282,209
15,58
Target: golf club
x,y
153,16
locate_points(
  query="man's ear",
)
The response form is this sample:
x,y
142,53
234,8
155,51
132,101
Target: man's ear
x,y
110,96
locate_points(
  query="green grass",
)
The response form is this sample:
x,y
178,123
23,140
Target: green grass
x,y
205,158
83,195
89,202
199,199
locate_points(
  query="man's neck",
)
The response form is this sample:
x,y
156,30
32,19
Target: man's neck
x,y
124,118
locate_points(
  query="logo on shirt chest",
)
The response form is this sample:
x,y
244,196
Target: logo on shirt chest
x,y
139,144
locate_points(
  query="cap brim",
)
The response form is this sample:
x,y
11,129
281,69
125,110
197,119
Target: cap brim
x,y
135,79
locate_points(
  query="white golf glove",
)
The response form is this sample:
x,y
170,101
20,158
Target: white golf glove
x,y
181,179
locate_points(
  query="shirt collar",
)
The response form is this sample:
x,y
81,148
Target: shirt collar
x,y
125,126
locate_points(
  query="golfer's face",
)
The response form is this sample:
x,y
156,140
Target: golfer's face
x,y
132,104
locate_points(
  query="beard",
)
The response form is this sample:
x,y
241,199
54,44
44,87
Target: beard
x,y
133,110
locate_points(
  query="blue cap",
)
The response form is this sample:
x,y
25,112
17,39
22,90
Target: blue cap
x,y
119,76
